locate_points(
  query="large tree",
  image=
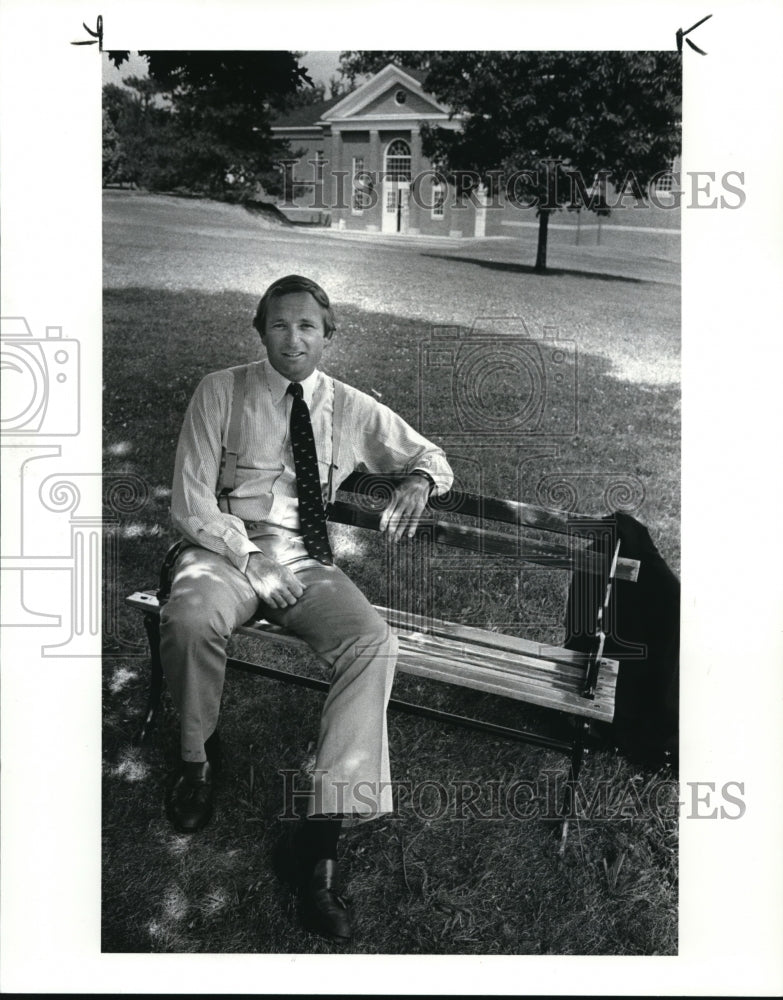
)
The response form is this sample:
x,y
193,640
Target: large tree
x,y
218,108
549,129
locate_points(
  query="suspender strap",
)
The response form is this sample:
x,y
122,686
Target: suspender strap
x,y
228,473
337,427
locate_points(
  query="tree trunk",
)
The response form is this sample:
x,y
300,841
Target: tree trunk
x,y
543,233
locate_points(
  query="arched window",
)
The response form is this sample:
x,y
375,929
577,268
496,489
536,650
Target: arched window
x,y
397,162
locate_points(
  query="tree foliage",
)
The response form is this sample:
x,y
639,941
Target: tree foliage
x,y
592,111
145,136
543,125
113,155
202,120
358,64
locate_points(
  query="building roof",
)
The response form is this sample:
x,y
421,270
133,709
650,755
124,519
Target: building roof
x,y
310,116
365,103
307,114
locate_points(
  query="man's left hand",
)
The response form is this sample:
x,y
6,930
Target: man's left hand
x,y
401,517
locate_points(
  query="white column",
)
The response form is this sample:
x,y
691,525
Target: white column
x,y
375,166
481,211
414,211
341,191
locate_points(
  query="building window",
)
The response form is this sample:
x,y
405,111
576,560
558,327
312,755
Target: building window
x,y
319,164
400,97
438,199
665,183
397,162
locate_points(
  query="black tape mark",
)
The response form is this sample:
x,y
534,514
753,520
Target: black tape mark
x,y
681,34
97,35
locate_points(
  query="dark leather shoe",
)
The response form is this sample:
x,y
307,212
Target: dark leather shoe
x,y
192,797
324,910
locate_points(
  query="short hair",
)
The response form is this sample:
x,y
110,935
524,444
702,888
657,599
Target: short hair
x,y
289,285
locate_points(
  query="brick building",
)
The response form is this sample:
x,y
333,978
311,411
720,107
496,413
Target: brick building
x,y
359,166
361,162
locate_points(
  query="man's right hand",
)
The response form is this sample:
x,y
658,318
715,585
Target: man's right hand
x,y
274,583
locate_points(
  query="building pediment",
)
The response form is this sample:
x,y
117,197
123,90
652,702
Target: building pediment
x,y
390,94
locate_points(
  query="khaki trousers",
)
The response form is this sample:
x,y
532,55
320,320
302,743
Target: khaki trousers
x,y
210,597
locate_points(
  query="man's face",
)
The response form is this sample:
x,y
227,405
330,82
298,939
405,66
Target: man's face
x,y
294,336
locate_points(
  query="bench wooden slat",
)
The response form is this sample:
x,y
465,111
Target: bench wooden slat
x,y
466,665
518,671
547,683
534,667
545,692
409,621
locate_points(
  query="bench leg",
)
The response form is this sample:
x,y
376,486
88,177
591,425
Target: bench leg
x,y
152,627
569,793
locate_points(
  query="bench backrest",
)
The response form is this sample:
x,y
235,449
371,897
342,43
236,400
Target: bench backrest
x,y
569,549
584,545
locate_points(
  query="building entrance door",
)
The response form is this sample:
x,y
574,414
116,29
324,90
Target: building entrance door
x,y
396,206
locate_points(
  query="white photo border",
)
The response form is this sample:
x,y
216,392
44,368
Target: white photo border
x,y
731,920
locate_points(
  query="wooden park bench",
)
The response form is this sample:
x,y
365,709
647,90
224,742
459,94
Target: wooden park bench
x,y
579,684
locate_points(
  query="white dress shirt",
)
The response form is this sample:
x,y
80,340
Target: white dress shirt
x,y
370,438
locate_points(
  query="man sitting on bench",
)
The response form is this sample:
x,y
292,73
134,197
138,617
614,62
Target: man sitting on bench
x,y
263,543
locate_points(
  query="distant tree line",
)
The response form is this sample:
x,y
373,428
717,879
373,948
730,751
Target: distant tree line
x,y
201,121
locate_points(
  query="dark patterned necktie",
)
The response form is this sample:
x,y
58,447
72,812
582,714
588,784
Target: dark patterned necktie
x,y
312,517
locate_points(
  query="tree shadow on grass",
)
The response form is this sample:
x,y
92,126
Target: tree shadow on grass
x,y
550,272
448,886
158,344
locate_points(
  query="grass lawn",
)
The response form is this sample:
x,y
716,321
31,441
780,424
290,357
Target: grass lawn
x,y
423,882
